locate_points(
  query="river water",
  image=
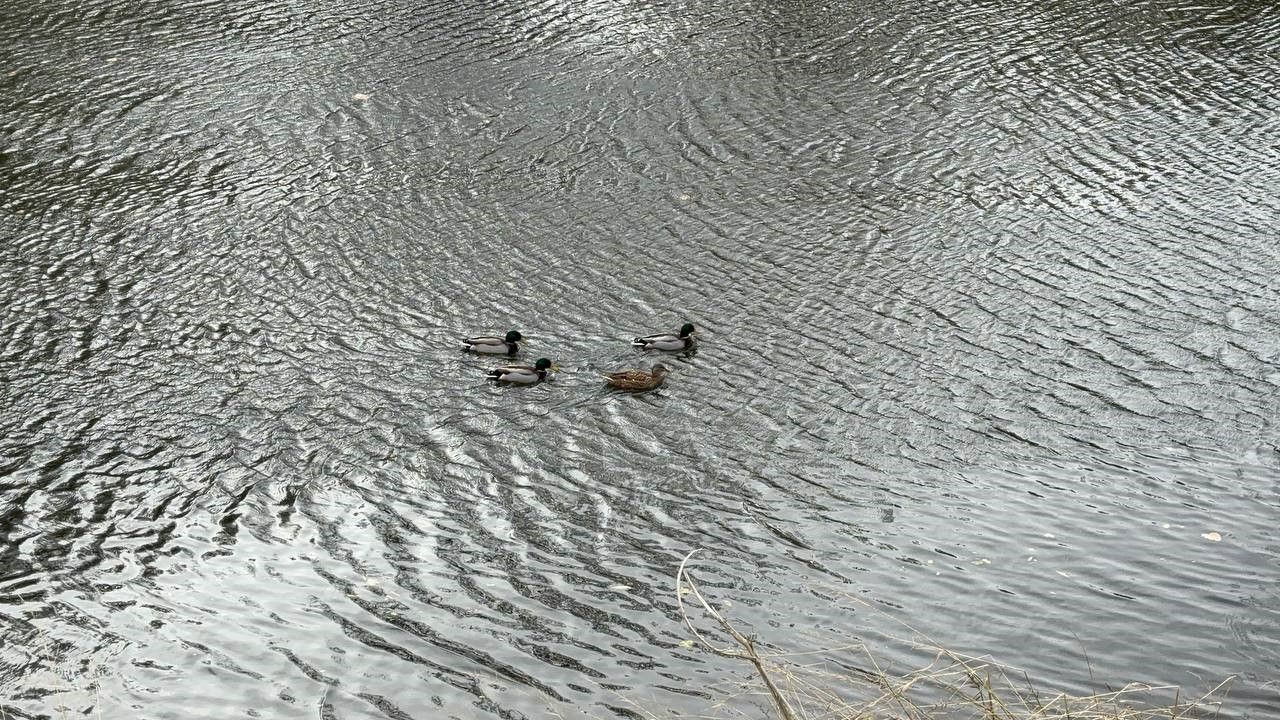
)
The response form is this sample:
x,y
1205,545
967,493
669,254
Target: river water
x,y
988,311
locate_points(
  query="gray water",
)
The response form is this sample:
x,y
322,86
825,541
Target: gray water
x,y
988,312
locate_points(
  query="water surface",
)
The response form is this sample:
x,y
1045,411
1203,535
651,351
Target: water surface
x,y
988,311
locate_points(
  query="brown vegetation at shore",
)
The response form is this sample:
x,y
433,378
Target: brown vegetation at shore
x,y
950,687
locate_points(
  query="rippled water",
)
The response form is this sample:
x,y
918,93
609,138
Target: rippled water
x,y
988,303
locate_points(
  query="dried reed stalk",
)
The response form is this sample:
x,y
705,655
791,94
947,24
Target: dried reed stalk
x,y
746,643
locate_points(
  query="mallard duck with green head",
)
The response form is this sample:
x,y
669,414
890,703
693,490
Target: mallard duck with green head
x,y
493,345
668,341
522,374
637,380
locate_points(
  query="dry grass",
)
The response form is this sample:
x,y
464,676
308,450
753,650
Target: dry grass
x,y
952,686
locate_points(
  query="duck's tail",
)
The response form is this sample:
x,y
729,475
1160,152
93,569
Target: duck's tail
x,y
639,342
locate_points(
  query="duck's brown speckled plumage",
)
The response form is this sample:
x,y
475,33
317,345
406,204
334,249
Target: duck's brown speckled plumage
x,y
637,380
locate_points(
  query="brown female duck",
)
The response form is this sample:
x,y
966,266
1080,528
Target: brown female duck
x,y
637,380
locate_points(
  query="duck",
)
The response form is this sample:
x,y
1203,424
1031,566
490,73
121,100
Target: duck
x,y
637,380
667,341
490,345
522,374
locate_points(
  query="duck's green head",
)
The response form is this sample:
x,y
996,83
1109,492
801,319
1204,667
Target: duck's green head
x,y
514,336
686,330
542,364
